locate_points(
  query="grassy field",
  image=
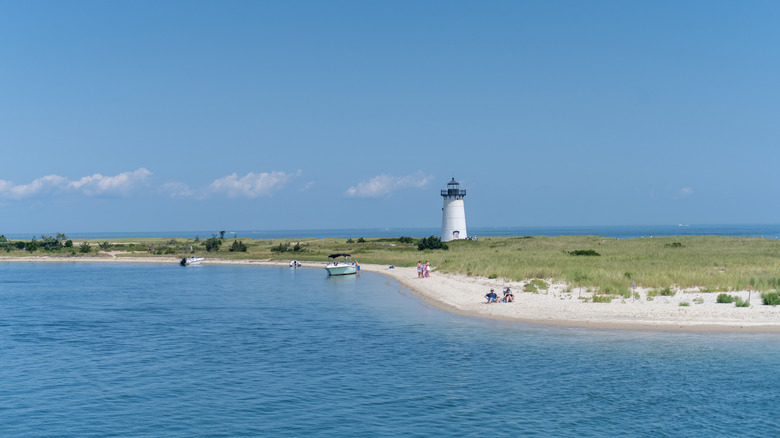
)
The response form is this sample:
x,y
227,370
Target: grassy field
x,y
714,263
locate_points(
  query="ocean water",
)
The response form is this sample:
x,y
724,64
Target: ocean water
x,y
153,350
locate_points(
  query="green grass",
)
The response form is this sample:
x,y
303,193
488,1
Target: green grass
x,y
712,263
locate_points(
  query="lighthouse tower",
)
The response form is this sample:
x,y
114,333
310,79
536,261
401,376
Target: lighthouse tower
x,y
453,213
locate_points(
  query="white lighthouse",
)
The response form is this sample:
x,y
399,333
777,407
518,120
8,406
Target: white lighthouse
x,y
453,213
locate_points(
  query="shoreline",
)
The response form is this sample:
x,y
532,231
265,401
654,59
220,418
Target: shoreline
x,y
554,307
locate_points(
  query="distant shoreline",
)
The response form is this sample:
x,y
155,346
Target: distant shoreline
x,y
556,307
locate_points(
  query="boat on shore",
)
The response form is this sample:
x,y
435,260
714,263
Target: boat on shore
x,y
295,264
189,261
336,267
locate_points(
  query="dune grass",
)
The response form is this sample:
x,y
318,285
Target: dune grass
x,y
608,265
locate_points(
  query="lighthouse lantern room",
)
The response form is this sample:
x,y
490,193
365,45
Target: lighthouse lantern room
x,y
453,213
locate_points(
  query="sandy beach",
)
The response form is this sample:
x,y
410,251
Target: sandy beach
x,y
554,306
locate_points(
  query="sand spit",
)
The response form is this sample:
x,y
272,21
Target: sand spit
x,y
558,305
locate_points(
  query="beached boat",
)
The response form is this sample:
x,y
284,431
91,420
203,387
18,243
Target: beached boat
x,y
295,264
188,261
336,267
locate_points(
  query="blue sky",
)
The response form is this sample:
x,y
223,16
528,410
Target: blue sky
x,y
196,115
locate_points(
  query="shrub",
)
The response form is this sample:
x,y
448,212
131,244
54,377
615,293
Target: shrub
x,y
48,243
238,246
541,284
770,298
281,248
213,243
529,287
105,246
405,239
684,304
85,248
739,302
492,276
584,252
361,240
431,242
68,243
667,292
602,298
31,245
725,298
350,240
674,245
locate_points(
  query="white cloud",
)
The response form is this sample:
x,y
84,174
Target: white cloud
x,y
93,185
251,185
383,185
121,184
177,190
685,191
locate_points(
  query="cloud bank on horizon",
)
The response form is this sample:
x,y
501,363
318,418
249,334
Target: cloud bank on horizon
x,y
250,186
121,185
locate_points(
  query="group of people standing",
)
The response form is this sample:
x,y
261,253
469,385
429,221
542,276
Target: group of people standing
x,y
423,269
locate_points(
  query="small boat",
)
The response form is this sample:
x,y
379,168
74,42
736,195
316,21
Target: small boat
x,y
336,267
188,261
295,264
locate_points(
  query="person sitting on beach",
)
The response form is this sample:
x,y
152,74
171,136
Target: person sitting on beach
x,y
508,296
491,297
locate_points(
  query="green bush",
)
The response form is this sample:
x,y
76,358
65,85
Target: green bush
x,y
431,242
739,302
213,243
405,239
584,252
770,298
684,304
31,246
238,246
725,298
667,292
281,248
85,248
105,246
602,298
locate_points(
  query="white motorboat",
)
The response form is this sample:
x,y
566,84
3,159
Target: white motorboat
x,y
295,264
336,267
189,261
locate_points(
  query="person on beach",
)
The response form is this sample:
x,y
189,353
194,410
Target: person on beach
x,y
419,269
357,265
508,296
491,297
427,268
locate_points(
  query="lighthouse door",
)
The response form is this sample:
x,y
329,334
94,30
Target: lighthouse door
x,y
456,234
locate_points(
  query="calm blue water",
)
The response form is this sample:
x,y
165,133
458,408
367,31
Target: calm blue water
x,y
158,350
771,231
